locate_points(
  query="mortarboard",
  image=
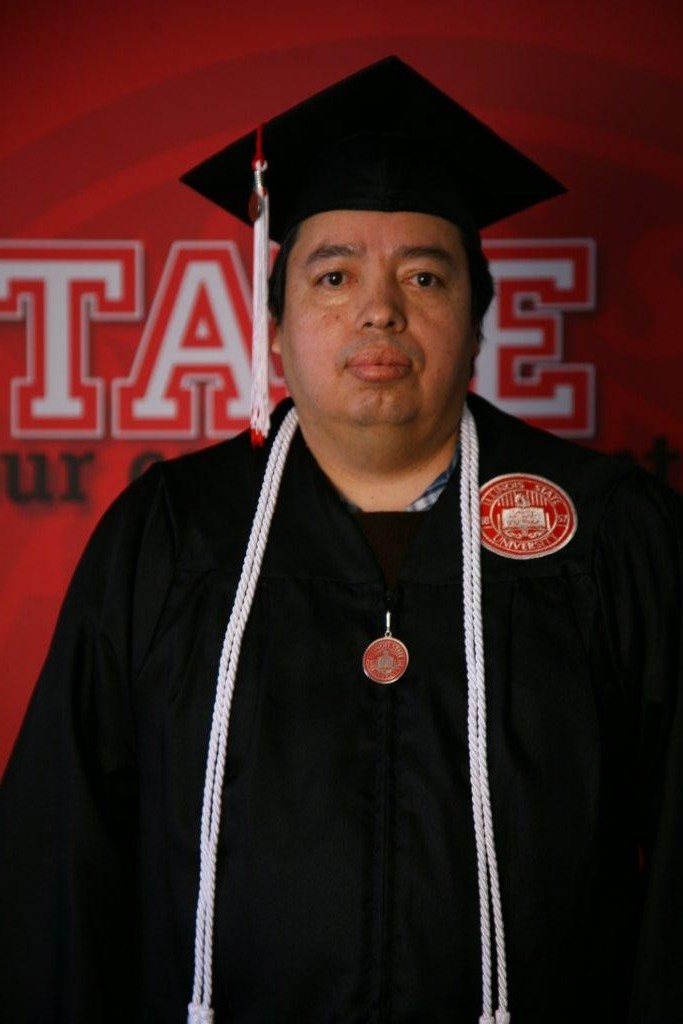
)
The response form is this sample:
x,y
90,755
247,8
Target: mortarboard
x,y
382,139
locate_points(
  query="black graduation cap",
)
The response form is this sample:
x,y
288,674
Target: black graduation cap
x,y
386,139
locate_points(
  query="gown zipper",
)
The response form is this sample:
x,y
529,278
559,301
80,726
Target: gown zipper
x,y
387,752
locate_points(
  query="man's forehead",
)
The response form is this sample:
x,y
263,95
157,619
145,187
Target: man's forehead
x,y
357,233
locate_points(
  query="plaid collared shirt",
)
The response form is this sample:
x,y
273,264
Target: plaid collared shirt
x,y
429,496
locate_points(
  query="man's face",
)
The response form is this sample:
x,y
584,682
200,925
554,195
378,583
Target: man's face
x,y
377,329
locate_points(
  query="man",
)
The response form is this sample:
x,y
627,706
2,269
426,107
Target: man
x,y
442,783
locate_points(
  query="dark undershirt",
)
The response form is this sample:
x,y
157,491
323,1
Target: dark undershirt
x,y
390,535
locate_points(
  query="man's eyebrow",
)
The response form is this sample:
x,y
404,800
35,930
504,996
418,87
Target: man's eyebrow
x,y
328,251
431,252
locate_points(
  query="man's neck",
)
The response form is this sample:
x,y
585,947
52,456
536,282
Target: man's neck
x,y
377,476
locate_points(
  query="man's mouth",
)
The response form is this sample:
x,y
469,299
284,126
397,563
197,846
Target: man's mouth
x,y
377,365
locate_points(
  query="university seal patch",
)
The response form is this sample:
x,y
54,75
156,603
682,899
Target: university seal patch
x,y
525,516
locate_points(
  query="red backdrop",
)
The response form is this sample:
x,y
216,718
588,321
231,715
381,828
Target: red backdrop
x,y
105,105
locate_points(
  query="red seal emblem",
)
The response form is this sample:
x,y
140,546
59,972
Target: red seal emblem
x,y
385,660
524,516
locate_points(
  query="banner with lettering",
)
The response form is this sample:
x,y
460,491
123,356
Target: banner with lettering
x,y
125,298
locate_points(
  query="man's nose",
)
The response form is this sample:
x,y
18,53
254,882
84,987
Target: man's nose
x,y
381,306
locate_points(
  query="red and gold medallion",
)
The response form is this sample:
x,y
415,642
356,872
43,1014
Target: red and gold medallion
x,y
385,659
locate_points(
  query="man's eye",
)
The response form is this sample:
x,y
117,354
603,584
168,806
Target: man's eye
x,y
333,278
425,279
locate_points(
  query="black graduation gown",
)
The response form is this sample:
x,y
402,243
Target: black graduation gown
x,y
346,878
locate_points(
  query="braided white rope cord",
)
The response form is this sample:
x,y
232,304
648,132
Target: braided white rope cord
x,y
199,1010
487,864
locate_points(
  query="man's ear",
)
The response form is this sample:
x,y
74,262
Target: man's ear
x,y
275,345
476,348
276,352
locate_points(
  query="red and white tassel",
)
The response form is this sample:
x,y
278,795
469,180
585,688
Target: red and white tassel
x,y
258,211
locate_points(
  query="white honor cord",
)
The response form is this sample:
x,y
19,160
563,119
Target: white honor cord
x,y
199,1010
487,865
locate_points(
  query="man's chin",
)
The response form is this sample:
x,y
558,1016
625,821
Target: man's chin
x,y
382,407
